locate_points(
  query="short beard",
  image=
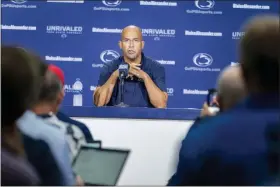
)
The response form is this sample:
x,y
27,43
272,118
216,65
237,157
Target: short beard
x,y
132,59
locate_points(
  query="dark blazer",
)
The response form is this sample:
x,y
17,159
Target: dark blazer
x,y
15,170
39,155
236,147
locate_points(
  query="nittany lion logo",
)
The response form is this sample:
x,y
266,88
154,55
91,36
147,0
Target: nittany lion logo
x,y
202,59
111,3
19,1
109,55
204,4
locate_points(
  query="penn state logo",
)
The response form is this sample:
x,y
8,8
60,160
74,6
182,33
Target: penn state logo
x,y
204,4
19,1
111,3
157,38
202,59
63,35
109,55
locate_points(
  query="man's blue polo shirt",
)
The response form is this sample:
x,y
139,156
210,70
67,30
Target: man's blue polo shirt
x,y
135,92
240,147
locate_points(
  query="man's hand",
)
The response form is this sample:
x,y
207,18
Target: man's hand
x,y
79,181
205,111
215,101
157,97
135,70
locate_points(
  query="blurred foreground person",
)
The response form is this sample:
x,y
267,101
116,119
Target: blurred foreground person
x,y
50,98
49,101
241,146
26,84
61,116
18,82
37,129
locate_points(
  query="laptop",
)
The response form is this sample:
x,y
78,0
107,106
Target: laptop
x,y
95,144
98,166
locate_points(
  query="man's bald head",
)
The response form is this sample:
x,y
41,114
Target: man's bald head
x,y
131,42
230,87
131,28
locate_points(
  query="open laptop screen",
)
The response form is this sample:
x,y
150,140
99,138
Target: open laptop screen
x,y
99,166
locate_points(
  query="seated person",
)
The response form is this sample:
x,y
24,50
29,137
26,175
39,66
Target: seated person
x,y
36,151
240,146
50,97
18,80
36,129
62,117
231,90
145,84
56,141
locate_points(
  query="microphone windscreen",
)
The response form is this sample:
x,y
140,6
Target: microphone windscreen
x,y
123,66
123,70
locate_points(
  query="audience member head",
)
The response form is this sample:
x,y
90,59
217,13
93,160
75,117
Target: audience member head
x,y
21,76
131,43
58,72
259,50
231,89
52,93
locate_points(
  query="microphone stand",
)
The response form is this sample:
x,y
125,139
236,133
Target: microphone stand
x,y
121,89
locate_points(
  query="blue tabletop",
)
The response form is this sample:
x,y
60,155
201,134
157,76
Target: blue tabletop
x,y
131,112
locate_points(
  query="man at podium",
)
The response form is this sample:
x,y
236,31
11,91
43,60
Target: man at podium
x,y
143,84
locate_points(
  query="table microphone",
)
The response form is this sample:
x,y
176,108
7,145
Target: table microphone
x,y
123,73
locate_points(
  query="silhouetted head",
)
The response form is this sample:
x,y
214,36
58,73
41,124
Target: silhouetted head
x,y
259,50
21,78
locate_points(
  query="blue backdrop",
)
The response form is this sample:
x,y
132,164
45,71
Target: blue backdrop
x,y
194,40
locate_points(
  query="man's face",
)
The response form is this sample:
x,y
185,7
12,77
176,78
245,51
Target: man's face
x,y
131,43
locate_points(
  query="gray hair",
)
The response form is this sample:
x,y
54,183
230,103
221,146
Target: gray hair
x,y
50,88
230,86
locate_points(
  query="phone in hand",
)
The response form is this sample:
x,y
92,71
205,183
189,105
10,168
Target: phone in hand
x,y
213,106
